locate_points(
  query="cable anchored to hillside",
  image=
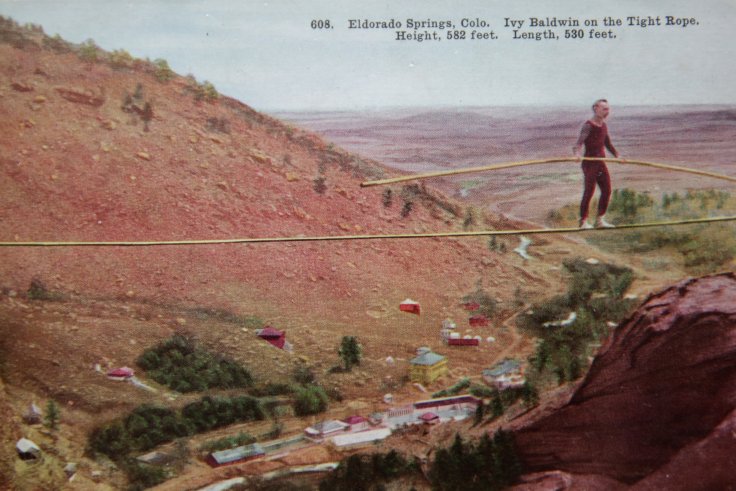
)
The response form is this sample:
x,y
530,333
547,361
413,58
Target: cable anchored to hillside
x,y
482,233
507,165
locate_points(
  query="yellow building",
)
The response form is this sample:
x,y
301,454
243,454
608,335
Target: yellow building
x,y
427,366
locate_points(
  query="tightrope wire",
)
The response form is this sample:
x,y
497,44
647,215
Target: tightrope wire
x,y
507,165
261,240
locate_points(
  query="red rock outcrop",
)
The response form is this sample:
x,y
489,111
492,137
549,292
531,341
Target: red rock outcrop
x,y
656,409
81,96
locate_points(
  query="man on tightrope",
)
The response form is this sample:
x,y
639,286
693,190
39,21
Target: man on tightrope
x,y
594,136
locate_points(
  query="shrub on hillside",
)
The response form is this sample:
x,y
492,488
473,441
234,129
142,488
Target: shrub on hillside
x,y
311,399
162,71
595,294
181,365
148,426
303,374
142,476
38,291
227,442
88,51
487,305
57,44
120,59
460,386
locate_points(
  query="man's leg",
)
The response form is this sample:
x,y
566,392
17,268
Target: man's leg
x,y
603,179
589,178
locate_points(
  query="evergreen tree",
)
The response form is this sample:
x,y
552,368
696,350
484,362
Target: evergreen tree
x,y
147,115
575,369
529,394
387,197
408,205
479,413
350,351
541,356
496,405
51,419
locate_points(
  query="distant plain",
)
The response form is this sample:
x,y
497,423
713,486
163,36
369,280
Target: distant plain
x,y
419,140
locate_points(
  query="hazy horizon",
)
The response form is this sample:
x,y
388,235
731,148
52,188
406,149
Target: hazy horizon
x,y
583,106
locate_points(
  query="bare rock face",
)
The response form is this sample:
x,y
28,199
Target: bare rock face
x,y
81,96
659,399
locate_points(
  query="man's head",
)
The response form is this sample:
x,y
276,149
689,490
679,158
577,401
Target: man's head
x,y
601,108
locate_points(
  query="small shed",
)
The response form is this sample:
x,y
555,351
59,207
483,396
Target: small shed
x,y
155,458
324,429
410,306
27,450
354,440
504,375
356,423
235,455
33,415
478,320
70,469
429,418
273,336
120,374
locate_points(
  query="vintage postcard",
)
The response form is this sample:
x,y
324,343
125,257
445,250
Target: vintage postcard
x,y
367,245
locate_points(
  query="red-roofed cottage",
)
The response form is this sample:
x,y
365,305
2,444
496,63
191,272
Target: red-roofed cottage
x,y
410,306
478,320
122,373
273,336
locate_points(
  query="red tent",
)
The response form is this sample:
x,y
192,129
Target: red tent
x,y
471,305
273,336
410,306
121,373
478,320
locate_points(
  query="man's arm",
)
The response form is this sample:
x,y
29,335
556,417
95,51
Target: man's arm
x,y
610,147
584,132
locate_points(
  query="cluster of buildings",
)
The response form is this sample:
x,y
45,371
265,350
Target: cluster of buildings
x,y
357,431
426,367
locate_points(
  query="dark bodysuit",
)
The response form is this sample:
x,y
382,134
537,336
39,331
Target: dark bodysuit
x,y
596,140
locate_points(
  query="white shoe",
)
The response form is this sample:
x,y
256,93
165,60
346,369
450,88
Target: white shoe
x,y
584,224
601,222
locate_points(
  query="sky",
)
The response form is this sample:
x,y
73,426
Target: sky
x,y
268,55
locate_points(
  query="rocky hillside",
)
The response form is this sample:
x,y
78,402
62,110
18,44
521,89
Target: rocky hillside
x,y
656,409
102,147
98,146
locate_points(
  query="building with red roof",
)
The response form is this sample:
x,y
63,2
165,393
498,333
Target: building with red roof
x,y
357,423
410,306
273,336
122,373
